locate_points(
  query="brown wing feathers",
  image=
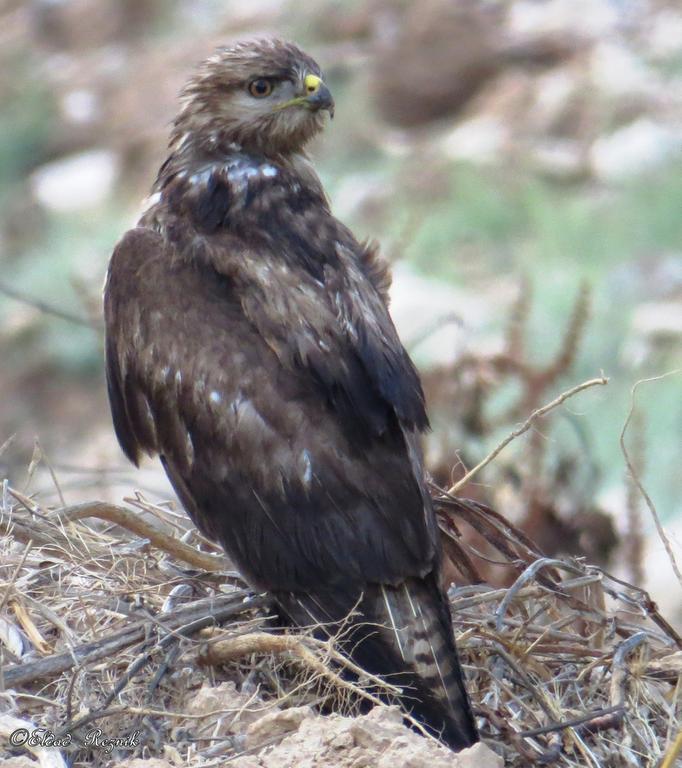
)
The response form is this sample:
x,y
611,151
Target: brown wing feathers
x,y
250,346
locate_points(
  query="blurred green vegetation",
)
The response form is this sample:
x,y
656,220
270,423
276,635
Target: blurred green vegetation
x,y
518,224
25,124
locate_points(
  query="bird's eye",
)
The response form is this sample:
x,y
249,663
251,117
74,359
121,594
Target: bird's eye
x,y
260,88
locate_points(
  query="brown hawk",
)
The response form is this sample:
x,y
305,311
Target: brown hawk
x,y
249,345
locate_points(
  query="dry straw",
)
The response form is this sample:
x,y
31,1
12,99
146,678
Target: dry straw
x,y
102,622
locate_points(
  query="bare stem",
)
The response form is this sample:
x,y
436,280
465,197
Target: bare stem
x,y
601,381
638,482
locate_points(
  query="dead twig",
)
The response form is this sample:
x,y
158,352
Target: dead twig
x,y
301,647
524,428
602,719
134,523
673,753
530,573
635,477
44,307
633,540
314,654
620,668
203,612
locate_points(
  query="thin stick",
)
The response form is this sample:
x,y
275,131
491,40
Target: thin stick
x,y
206,611
134,523
50,469
234,648
42,306
619,670
7,444
582,720
440,322
672,754
637,481
13,577
524,428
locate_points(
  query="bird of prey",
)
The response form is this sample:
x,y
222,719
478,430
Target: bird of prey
x,y
249,345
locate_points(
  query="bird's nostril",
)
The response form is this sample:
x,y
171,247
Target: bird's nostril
x,y
312,84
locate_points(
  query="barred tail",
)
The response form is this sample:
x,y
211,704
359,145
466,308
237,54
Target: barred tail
x,y
404,634
420,630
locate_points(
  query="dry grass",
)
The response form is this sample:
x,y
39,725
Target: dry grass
x,y
568,666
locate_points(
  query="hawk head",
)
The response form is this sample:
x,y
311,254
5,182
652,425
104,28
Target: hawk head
x,y
264,96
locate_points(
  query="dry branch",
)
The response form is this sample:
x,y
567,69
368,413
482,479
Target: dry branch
x,y
527,424
135,524
673,753
44,307
315,655
306,649
198,615
635,476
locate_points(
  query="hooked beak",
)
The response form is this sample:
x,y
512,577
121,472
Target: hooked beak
x,y
318,96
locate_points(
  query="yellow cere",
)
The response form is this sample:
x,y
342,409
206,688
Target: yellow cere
x,y
312,83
